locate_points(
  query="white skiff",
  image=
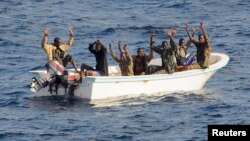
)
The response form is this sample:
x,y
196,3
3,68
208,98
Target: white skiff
x,y
114,85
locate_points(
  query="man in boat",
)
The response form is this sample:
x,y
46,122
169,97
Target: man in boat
x,y
101,68
181,50
57,50
167,56
125,60
203,49
141,60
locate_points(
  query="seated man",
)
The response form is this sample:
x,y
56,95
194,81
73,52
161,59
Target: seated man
x,y
141,60
125,61
203,49
57,50
167,56
101,68
182,58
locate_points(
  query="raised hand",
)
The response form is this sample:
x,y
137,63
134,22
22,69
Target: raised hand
x,y
119,46
202,25
151,43
110,47
174,30
186,26
125,47
71,32
193,29
46,31
152,33
169,33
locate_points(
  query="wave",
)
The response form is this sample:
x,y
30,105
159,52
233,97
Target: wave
x,y
218,107
175,5
139,29
11,135
9,102
4,42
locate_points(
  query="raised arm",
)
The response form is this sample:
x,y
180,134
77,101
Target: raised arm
x,y
113,54
151,40
119,46
193,30
45,37
151,54
189,42
71,33
170,33
47,47
154,48
202,26
67,45
127,54
190,37
91,47
151,44
170,36
110,48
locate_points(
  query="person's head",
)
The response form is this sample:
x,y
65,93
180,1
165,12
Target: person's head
x,y
123,55
181,42
57,42
201,38
98,45
140,52
165,45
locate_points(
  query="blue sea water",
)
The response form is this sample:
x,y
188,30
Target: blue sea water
x,y
225,99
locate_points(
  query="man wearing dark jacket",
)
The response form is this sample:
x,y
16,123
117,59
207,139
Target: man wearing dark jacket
x,y
101,68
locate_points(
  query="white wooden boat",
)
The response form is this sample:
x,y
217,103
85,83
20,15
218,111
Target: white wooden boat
x,y
114,85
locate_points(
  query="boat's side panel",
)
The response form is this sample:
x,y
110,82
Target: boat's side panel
x,y
148,87
45,92
85,89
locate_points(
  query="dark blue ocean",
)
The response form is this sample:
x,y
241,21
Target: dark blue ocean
x,y
225,99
